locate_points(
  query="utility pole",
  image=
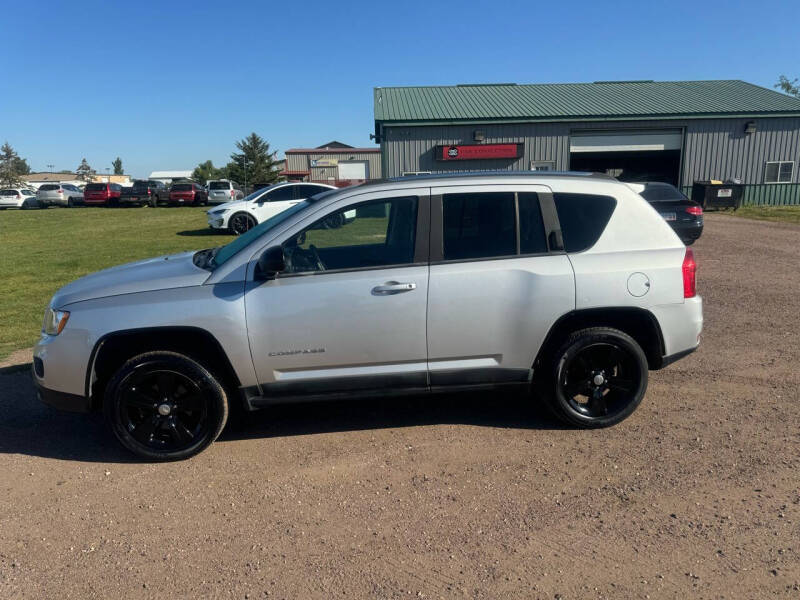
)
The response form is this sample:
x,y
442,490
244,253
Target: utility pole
x,y
50,167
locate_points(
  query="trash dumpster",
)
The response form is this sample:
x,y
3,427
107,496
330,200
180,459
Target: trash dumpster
x,y
717,194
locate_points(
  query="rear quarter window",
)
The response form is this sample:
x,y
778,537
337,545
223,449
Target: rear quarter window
x,y
583,218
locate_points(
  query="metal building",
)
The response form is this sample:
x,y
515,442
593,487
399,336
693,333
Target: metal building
x,y
334,163
675,131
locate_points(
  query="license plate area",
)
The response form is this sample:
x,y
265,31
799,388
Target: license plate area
x,y
670,216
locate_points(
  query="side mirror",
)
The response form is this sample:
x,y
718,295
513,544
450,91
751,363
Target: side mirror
x,y
270,263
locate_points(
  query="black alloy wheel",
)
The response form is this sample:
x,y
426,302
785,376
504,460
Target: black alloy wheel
x,y
599,377
165,406
241,223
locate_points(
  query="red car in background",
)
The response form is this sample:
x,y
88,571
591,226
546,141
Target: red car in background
x,y
102,194
188,193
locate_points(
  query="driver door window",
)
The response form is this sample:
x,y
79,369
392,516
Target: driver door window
x,y
369,235
280,195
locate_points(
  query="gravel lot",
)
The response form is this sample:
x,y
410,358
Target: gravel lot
x,y
697,495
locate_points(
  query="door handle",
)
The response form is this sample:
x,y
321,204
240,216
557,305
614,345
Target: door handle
x,y
393,287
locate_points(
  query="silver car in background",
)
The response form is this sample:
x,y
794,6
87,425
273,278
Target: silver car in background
x,y
59,194
223,190
565,287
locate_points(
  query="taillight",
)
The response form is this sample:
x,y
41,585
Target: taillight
x,y
689,275
233,194
19,195
60,191
149,192
694,210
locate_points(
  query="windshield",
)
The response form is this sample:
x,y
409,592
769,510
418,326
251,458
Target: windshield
x,y
219,185
48,187
182,187
140,185
96,187
219,256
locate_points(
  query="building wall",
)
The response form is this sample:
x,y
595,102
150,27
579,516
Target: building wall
x,y
712,148
302,162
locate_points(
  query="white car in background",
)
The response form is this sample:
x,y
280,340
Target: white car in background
x,y
18,198
241,216
63,194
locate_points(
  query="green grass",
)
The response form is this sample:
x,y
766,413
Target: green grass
x,y
784,214
41,250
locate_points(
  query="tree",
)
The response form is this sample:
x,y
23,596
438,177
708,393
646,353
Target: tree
x,y
789,86
260,163
205,171
11,166
117,164
84,171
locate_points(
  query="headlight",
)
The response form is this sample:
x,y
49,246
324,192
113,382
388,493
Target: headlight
x,y
218,211
54,321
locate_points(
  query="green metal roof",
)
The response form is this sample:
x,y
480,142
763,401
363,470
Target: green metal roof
x,y
579,101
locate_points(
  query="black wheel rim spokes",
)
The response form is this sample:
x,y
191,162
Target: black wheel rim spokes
x,y
163,410
241,224
600,380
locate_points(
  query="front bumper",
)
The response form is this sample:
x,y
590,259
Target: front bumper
x,y
60,400
216,221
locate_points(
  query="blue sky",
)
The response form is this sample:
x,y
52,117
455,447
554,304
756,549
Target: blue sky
x,y
166,85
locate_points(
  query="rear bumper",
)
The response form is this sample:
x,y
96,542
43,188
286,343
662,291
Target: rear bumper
x,y
691,230
60,400
681,326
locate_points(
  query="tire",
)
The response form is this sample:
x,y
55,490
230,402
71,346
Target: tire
x,y
178,410
596,378
70,203
240,223
153,202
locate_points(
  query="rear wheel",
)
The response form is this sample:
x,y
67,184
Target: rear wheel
x,y
165,406
153,201
70,203
597,378
240,223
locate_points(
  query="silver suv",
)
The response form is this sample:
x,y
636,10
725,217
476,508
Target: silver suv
x,y
567,286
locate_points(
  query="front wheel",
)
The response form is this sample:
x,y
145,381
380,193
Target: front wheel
x,y
596,378
241,223
165,406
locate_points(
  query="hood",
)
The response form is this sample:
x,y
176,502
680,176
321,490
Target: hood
x,y
164,272
234,204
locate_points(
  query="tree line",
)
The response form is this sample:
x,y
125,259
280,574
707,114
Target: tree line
x,y
13,167
254,163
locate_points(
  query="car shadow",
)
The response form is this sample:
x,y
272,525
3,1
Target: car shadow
x,y
202,232
29,427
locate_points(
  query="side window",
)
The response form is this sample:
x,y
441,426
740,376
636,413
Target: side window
x,y
280,194
479,225
583,217
532,239
371,234
306,191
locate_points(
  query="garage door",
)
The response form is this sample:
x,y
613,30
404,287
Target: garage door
x,y
353,169
626,141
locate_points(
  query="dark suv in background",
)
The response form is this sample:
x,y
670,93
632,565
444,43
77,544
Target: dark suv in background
x,y
102,194
145,192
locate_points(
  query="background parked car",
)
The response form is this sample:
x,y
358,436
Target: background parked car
x,y
242,215
62,194
188,193
684,216
223,190
102,194
145,192
18,198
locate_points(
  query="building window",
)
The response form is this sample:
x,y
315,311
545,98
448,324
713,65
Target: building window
x,y
779,172
543,165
